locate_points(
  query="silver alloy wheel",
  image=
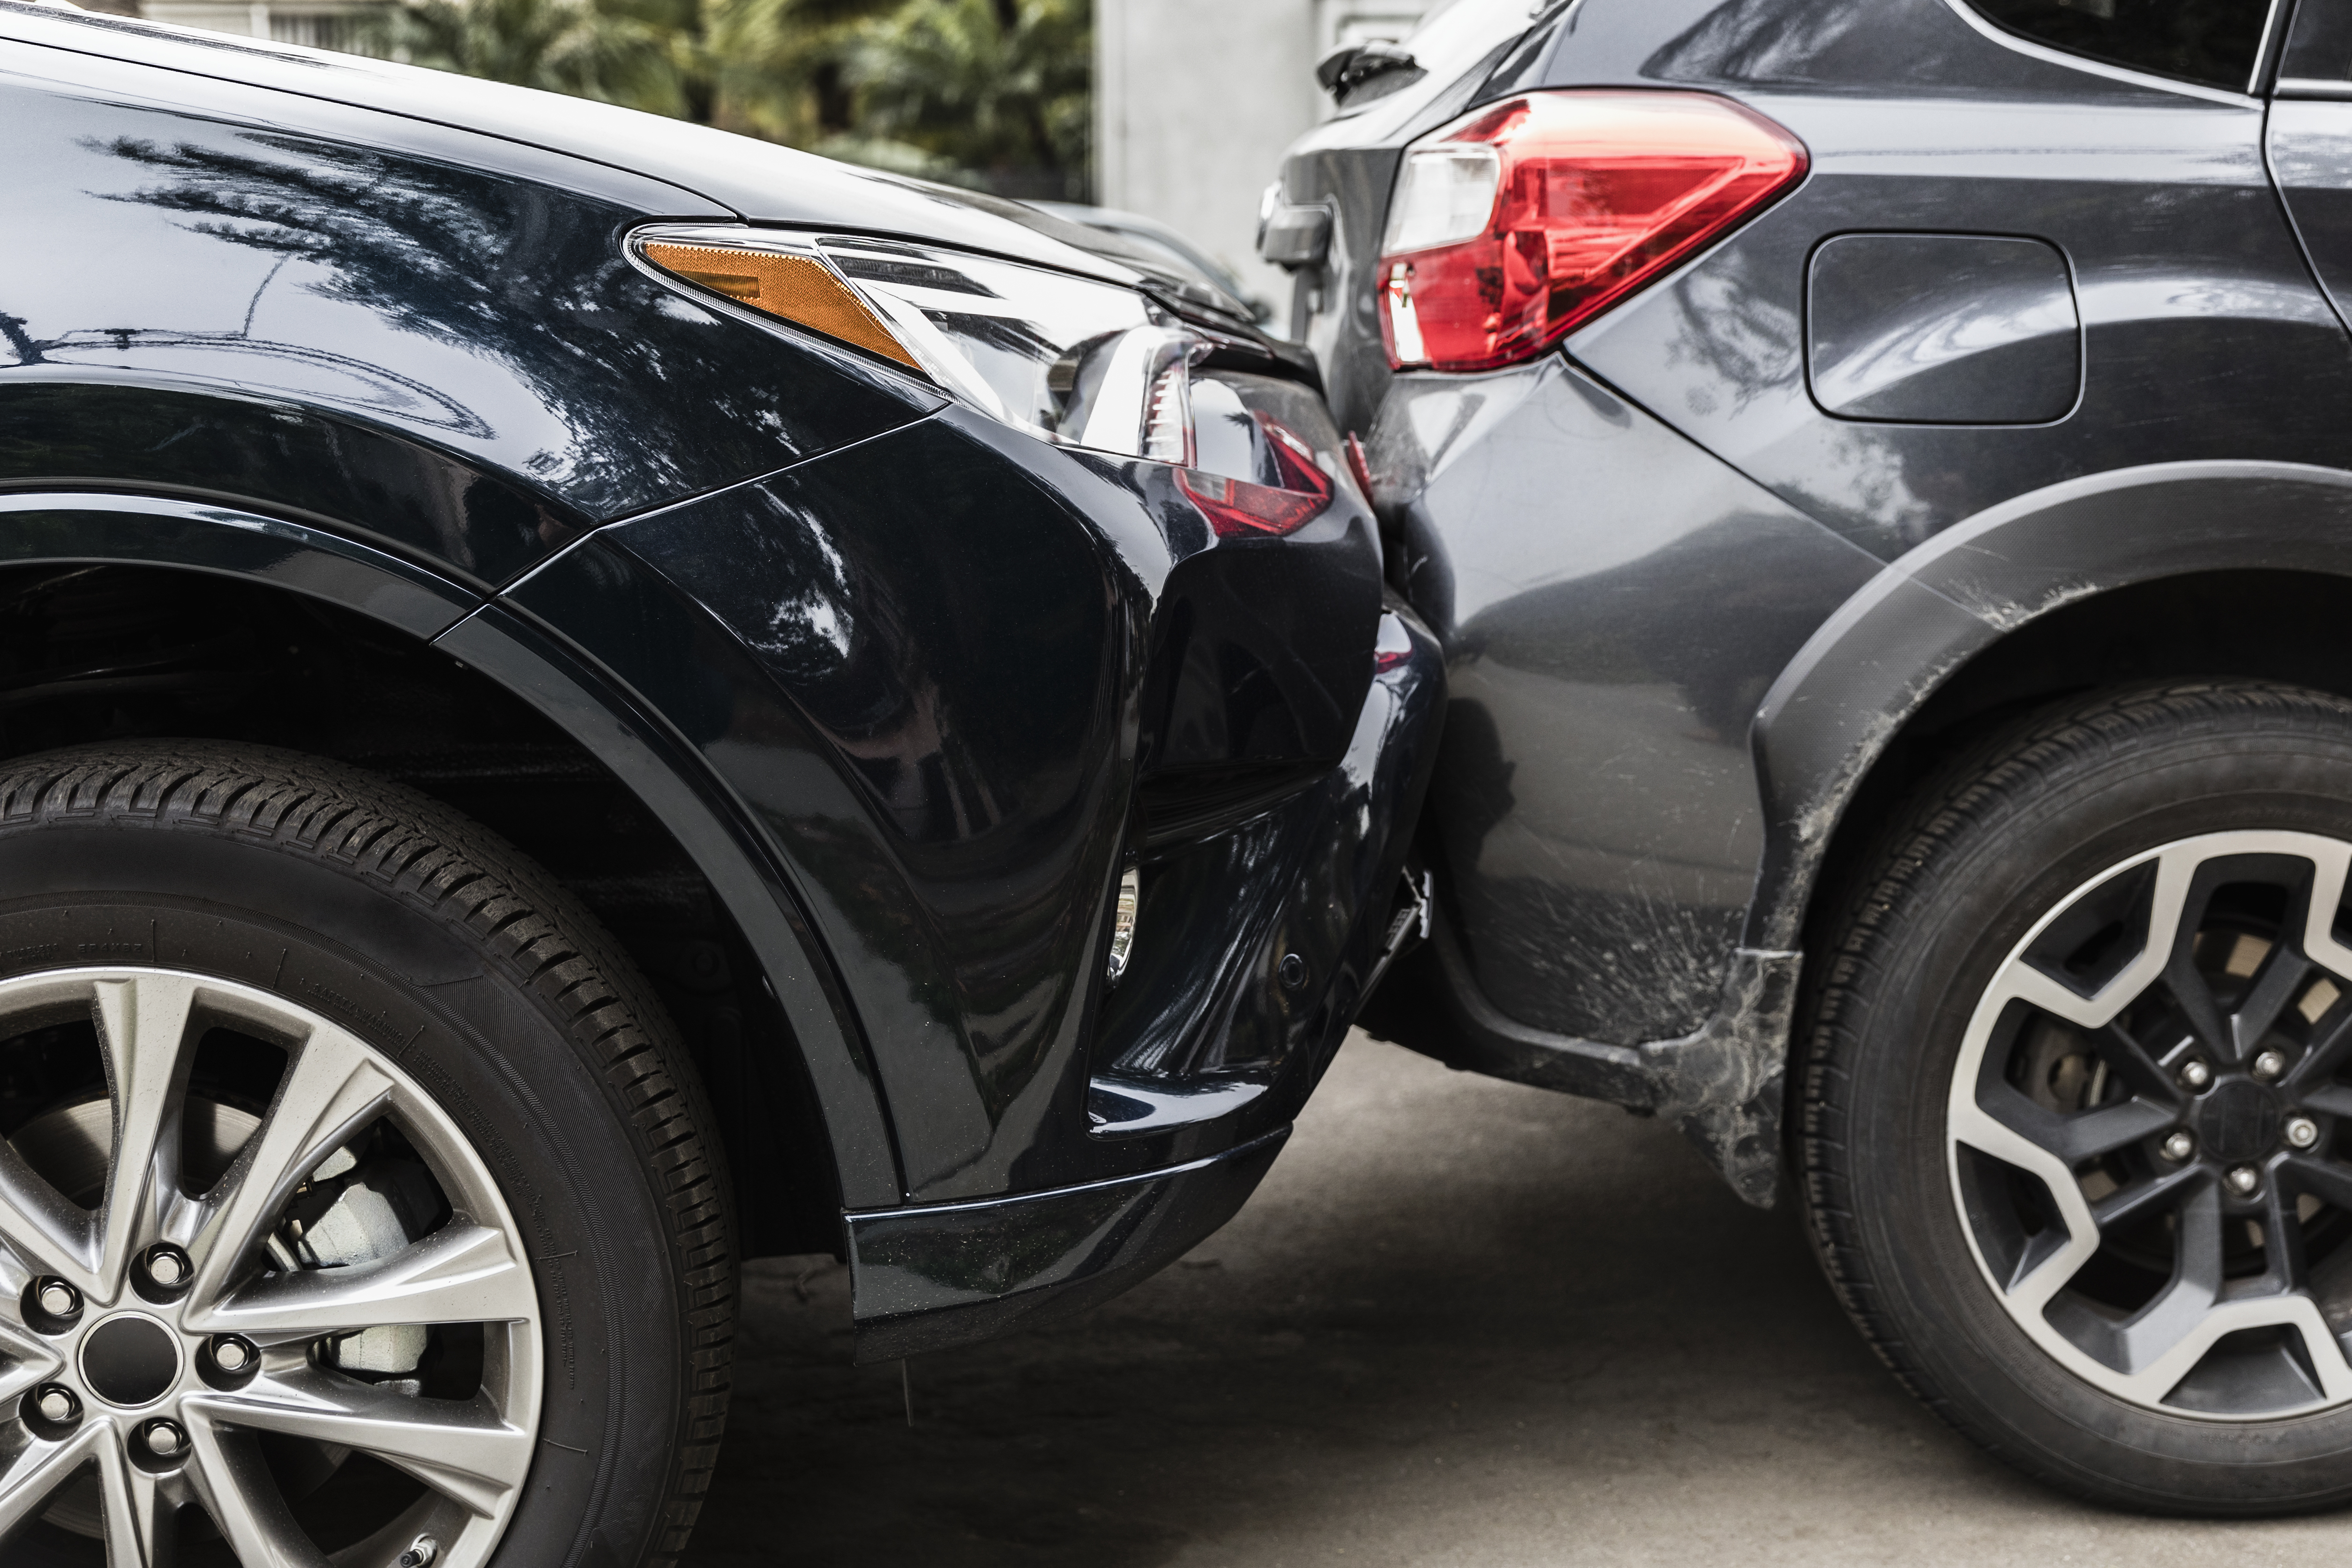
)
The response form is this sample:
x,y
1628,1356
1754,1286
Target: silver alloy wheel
x,y
2142,1129
137,1350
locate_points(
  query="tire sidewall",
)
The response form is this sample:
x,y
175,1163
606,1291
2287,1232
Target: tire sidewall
x,y
2031,840
448,1009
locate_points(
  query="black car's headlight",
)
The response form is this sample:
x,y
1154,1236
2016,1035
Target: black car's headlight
x,y
1074,361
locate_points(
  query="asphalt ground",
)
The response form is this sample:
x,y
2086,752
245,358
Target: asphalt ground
x,y
1463,1324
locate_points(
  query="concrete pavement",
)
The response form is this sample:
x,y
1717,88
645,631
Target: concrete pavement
x,y
1463,1324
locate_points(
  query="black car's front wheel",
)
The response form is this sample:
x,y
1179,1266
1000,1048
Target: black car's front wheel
x,y
2077,1125
353,1207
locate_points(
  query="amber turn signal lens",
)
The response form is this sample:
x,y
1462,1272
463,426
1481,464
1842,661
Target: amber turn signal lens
x,y
796,288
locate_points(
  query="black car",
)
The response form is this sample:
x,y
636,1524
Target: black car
x,y
583,698
1881,471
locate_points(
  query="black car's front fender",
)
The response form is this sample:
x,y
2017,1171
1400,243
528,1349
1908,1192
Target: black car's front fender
x,y
640,749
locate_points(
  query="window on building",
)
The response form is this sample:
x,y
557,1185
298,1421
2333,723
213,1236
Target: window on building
x,y
2211,41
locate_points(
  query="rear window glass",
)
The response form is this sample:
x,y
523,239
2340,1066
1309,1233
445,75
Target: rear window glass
x,y
2213,41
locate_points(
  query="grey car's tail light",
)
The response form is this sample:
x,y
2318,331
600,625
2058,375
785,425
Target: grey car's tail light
x,y
1522,220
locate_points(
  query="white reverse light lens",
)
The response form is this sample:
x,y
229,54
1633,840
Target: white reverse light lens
x,y
1445,195
1082,363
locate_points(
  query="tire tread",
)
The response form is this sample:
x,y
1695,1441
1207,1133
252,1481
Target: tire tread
x,y
419,851
1978,793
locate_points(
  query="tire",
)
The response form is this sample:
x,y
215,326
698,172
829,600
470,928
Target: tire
x,y
483,1107
2008,1004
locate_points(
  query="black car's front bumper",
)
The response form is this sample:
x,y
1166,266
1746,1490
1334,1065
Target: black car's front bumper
x,y
1278,927
955,681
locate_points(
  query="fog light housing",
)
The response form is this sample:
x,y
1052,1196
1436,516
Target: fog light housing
x,y
1122,923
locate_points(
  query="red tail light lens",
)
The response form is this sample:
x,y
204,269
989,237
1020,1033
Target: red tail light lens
x,y
1524,220
1242,509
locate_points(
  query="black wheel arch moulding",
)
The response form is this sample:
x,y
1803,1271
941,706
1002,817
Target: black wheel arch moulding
x,y
1874,666
1831,717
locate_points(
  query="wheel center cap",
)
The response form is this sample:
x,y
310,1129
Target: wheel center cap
x,y
130,1361
2239,1121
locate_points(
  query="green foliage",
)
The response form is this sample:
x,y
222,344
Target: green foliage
x,y
998,85
986,92
562,46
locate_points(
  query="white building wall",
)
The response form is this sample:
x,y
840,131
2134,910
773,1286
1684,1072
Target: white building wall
x,y
1195,100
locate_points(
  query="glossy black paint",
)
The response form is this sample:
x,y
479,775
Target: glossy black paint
x,y
931,1277
60,527
598,143
1783,456
709,823
905,688
1254,951
327,317
945,769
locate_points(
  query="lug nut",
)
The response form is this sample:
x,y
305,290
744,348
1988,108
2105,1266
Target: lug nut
x,y
2302,1132
2269,1066
57,1405
2196,1075
2179,1145
58,1299
232,1355
164,1440
168,1268
2243,1179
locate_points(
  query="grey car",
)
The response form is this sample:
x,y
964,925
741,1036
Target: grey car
x,y
1878,472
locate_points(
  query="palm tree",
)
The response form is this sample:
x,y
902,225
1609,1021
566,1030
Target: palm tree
x,y
563,45
997,87
984,92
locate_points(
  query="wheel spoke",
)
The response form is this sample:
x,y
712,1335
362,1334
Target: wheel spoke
x,y
1973,1127
142,1026
2282,1261
47,1232
2328,1099
233,1484
27,1485
142,1521
2331,866
2324,1179
2193,995
472,1456
332,1087
31,1360
465,1450
2140,1199
2134,1063
463,1273
2278,982
2085,1134
2090,1133
2146,1357
2170,1320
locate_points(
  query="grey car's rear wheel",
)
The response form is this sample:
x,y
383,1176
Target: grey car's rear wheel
x,y
352,1203
2077,1127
